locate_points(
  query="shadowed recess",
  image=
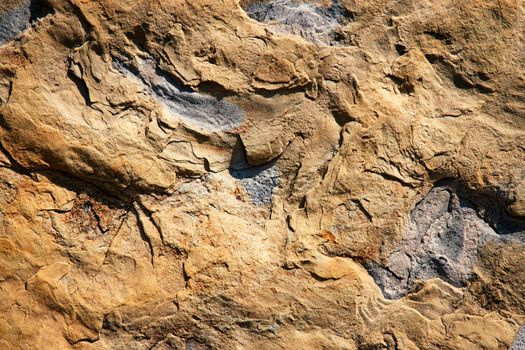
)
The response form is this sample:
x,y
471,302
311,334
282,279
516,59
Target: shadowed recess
x,y
258,181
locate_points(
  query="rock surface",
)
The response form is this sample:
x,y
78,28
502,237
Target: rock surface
x,y
295,174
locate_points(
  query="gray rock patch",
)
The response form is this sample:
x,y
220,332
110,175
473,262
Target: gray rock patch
x,y
259,181
444,232
519,340
314,23
192,108
18,19
15,21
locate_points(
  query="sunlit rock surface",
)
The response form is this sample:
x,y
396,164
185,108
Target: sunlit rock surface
x,y
291,174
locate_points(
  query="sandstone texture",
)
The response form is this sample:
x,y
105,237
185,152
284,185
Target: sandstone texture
x,y
262,174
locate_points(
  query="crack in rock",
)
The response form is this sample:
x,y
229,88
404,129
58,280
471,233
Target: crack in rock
x,y
314,23
194,109
444,232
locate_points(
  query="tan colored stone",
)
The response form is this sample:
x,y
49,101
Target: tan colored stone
x,y
192,174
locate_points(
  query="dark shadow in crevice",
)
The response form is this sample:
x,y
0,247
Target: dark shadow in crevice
x,y
215,89
475,82
113,200
139,37
39,9
462,82
82,88
438,35
404,86
401,49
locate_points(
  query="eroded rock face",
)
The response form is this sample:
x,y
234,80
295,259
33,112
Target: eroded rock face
x,y
193,108
262,174
444,232
314,22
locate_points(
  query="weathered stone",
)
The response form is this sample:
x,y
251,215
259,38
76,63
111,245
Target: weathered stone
x,y
445,231
313,174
